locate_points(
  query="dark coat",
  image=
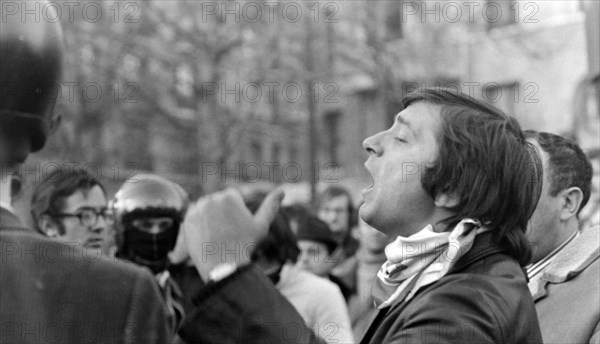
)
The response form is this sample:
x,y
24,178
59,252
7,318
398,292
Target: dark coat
x,y
244,308
53,293
484,299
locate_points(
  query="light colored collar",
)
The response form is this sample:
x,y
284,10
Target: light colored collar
x,y
537,267
575,257
569,262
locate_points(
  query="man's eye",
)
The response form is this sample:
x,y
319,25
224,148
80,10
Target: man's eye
x,y
143,225
400,140
164,225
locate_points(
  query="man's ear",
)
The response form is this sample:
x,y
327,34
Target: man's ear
x,y
48,226
446,200
571,201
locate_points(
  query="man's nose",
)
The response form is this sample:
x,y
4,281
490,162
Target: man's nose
x,y
373,144
155,229
100,225
334,216
328,216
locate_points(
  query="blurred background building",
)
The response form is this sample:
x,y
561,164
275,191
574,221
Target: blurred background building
x,y
213,94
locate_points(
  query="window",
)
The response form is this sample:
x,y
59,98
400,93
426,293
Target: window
x,y
293,153
393,19
332,121
256,151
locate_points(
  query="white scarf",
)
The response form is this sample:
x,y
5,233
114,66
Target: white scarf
x,y
433,254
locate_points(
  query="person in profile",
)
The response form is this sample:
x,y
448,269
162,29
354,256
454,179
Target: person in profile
x,y
51,291
453,176
565,268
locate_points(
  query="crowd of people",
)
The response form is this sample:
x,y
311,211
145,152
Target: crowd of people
x,y
483,245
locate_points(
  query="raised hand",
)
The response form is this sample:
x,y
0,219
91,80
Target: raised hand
x,y
220,229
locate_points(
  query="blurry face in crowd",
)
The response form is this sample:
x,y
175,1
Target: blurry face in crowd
x,y
396,203
546,216
314,257
334,212
95,239
371,239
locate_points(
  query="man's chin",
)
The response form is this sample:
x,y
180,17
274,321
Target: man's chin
x,y
370,218
365,215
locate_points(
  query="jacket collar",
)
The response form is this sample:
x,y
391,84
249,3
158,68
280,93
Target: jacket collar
x,y
483,246
569,262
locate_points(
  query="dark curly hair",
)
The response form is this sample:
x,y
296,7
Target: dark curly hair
x,y
486,162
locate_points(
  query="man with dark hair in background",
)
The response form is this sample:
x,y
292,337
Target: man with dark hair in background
x,y
50,291
453,177
564,273
71,206
336,208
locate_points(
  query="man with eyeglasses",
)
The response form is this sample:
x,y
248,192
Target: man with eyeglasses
x,y
71,206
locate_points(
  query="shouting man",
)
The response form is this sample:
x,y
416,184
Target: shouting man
x,y
455,182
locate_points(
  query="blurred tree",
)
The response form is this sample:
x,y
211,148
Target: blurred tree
x,y
164,84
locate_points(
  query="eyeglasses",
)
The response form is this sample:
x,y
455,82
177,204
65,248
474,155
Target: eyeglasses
x,y
89,217
153,225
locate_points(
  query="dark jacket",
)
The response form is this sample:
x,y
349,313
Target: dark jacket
x,y
244,308
53,293
484,299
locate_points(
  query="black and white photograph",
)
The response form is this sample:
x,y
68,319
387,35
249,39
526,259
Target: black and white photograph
x,y
299,171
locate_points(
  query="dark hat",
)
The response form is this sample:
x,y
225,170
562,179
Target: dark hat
x,y
310,227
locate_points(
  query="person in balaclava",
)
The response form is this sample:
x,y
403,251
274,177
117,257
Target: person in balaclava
x,y
149,210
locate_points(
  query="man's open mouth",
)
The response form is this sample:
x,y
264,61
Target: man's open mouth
x,y
370,187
